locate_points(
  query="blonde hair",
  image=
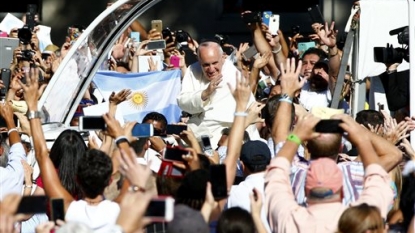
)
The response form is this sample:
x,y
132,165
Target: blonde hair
x,y
396,175
360,219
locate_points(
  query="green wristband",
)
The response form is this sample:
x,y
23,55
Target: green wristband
x,y
293,138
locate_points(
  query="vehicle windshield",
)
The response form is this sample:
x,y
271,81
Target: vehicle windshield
x,y
60,95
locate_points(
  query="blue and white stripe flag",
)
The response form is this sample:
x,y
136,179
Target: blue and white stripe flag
x,y
151,91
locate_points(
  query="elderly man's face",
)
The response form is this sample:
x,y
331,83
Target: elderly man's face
x,y
211,60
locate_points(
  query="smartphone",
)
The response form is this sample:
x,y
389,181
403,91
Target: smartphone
x,y
175,129
175,61
303,46
266,15
174,154
218,181
143,130
5,77
329,126
295,30
56,209
316,15
156,44
274,24
160,209
206,146
32,205
249,53
157,24
92,123
135,37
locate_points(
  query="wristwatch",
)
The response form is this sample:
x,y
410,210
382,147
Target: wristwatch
x,y
33,114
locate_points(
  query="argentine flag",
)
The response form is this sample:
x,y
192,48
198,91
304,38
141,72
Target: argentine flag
x,y
151,92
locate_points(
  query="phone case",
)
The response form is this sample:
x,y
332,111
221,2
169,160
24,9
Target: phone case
x,y
175,61
316,15
135,37
218,181
274,24
160,209
249,53
156,44
302,47
266,15
157,24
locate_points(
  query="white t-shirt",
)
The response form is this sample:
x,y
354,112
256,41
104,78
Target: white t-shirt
x,y
309,99
100,218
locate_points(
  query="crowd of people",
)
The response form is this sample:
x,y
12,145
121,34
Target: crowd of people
x,y
291,163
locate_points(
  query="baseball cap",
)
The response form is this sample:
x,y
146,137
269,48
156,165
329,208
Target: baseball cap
x,y
324,178
255,152
322,63
187,220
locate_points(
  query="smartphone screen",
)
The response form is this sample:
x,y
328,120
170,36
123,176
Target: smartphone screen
x,y
5,77
57,209
175,129
218,181
32,205
160,209
316,15
329,126
143,130
175,154
92,123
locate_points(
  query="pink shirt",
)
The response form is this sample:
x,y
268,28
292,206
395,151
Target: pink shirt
x,y
285,215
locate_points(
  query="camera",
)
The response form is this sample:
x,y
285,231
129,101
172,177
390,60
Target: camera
x,y
27,55
252,17
181,36
389,54
222,39
25,35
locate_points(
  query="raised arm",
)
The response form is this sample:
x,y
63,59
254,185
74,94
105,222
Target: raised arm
x,y
52,185
242,95
290,83
263,47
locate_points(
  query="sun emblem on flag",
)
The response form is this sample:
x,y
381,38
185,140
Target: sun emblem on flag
x,y
139,100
